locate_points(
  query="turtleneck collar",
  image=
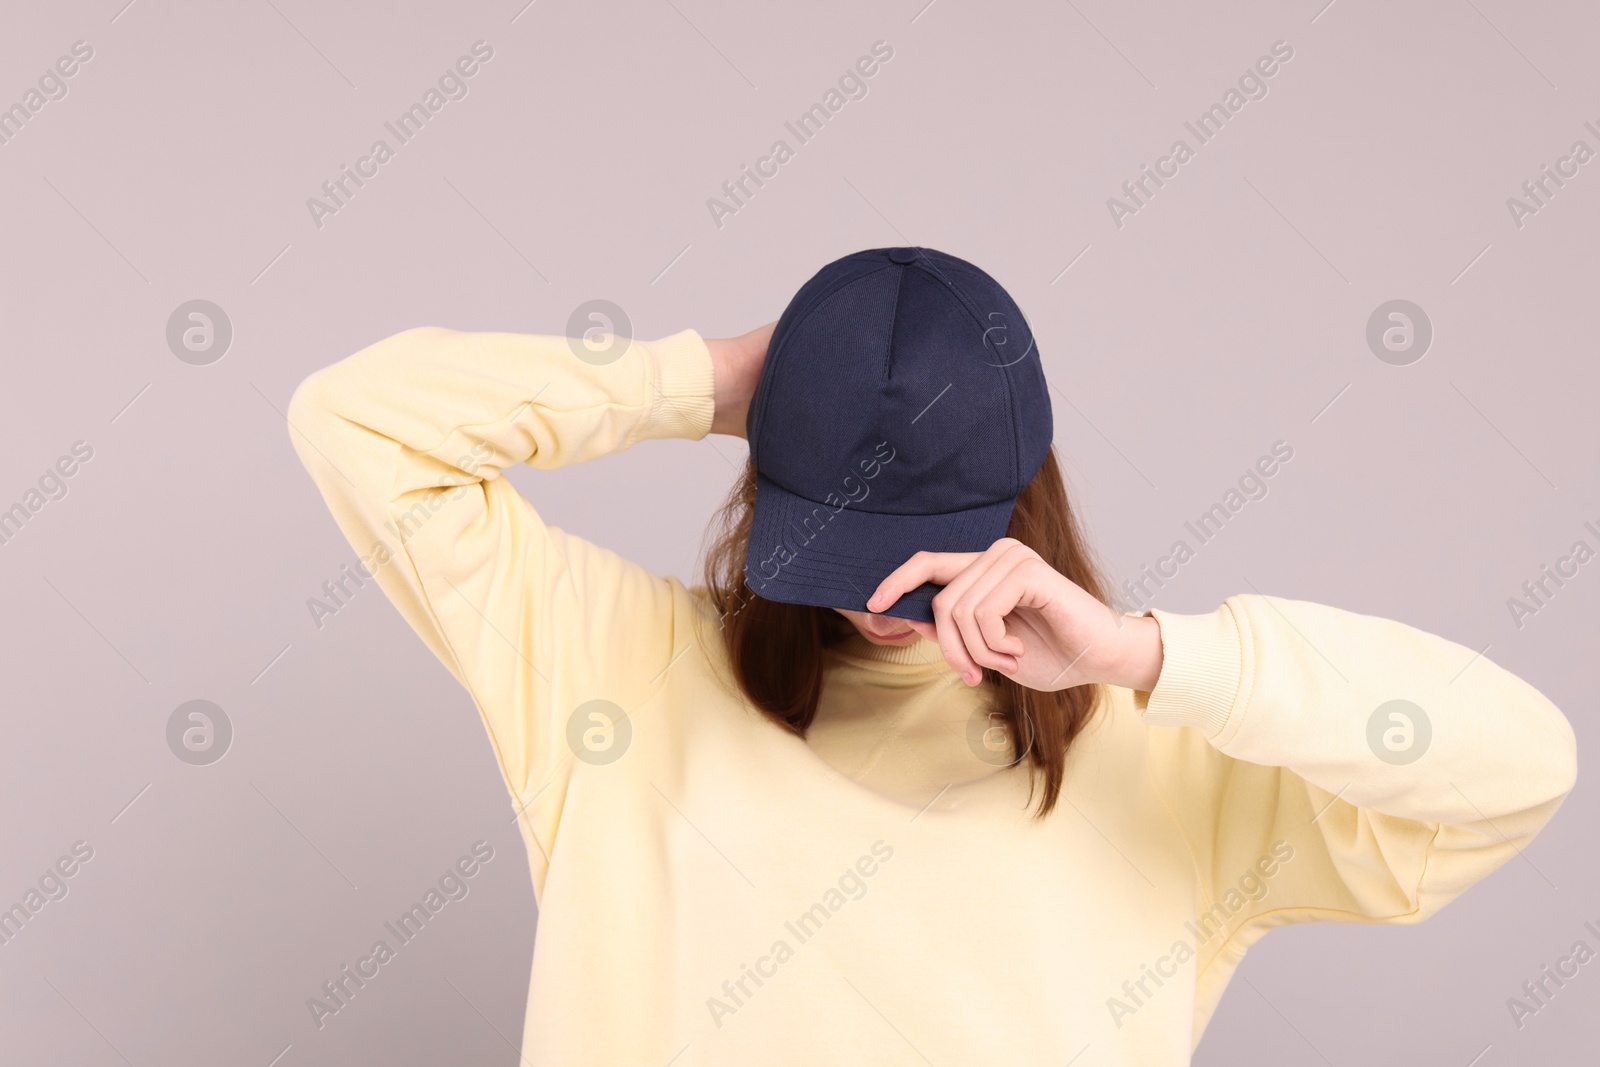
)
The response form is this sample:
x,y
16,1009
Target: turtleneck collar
x,y
914,656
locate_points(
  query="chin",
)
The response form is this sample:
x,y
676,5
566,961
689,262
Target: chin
x,y
858,619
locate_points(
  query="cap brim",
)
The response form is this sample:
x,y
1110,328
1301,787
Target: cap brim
x,y
832,556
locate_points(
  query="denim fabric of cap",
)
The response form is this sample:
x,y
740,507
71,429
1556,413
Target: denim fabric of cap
x,y
902,407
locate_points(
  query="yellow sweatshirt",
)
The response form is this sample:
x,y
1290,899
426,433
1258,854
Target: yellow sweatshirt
x,y
715,890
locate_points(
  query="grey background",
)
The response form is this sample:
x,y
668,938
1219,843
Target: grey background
x,y
1229,313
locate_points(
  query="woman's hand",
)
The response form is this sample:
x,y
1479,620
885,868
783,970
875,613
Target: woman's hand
x,y
1009,610
737,362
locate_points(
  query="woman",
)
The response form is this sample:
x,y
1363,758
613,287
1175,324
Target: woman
x,y
894,784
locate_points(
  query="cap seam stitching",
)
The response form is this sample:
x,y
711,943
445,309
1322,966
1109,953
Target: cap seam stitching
x,y
971,310
894,317
869,511
1005,379
773,356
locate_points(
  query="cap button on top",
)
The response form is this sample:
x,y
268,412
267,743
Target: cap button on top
x,y
903,255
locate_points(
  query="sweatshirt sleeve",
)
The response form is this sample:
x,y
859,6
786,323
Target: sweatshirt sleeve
x,y
1307,792
408,439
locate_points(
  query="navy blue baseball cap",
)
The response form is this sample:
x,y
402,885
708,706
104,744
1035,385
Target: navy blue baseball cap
x,y
902,407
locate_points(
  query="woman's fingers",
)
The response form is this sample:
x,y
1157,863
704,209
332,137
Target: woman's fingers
x,y
959,599
976,624
981,609
930,630
940,568
963,646
968,645
949,636
1023,586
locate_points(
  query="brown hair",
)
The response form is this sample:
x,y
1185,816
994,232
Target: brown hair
x,y
775,649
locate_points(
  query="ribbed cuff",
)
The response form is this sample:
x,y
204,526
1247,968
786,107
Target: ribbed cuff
x,y
1201,668
683,387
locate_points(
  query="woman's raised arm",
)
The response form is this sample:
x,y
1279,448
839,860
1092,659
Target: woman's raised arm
x,y
407,440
